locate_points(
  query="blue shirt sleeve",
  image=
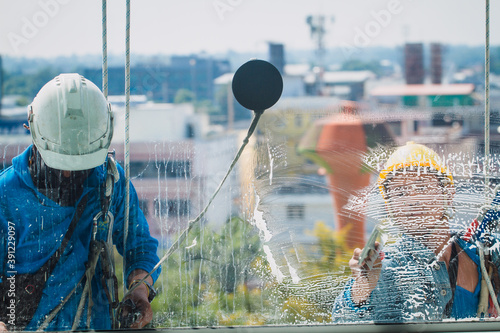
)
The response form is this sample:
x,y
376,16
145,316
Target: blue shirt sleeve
x,y
141,246
345,310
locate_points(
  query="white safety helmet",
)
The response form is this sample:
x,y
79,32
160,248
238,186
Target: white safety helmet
x,y
71,123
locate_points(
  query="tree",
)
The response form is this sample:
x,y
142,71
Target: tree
x,y
358,65
212,282
311,300
184,96
27,85
221,278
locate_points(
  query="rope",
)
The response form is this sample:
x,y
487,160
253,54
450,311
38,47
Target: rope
x,y
127,138
191,223
487,98
56,310
104,50
486,278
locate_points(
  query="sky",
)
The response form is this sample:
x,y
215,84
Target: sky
x,y
47,28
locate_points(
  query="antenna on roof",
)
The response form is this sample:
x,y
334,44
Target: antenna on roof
x,y
317,25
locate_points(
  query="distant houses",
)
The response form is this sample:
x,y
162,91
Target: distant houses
x,y
161,82
426,95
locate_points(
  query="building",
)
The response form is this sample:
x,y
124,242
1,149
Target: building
x,y
14,137
349,85
436,70
176,162
425,95
287,183
414,63
277,56
231,113
161,83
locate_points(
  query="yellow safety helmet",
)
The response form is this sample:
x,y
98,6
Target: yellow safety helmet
x,y
413,155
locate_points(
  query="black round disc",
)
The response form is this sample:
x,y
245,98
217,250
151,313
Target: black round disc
x,y
257,85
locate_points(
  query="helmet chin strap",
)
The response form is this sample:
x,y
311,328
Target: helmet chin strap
x,y
53,183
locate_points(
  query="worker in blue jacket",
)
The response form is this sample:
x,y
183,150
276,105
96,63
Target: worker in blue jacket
x,y
62,204
427,273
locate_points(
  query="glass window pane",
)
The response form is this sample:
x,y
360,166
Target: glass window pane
x,y
377,149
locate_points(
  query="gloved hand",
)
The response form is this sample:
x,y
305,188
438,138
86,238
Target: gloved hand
x,y
136,311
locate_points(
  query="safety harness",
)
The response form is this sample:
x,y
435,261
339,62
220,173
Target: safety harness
x,y
99,249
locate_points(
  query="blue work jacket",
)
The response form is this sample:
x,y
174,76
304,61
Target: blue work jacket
x,y
39,228
413,287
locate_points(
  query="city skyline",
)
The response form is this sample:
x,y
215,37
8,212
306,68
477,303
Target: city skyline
x,y
48,28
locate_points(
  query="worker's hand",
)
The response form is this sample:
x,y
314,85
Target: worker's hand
x,y
140,298
365,278
3,327
136,303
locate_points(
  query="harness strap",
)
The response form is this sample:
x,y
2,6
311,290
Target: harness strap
x,y
50,264
106,191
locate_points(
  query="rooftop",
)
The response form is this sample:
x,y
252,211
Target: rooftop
x,y
307,103
339,77
224,79
424,90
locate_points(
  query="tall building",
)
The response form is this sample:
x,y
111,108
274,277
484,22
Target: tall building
x,y
277,56
414,63
436,63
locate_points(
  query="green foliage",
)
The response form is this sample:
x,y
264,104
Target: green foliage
x,y
221,278
332,248
206,107
211,282
27,85
310,300
359,65
184,96
22,101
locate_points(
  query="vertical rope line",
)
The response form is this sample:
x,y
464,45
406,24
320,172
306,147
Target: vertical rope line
x,y
104,50
487,97
127,139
